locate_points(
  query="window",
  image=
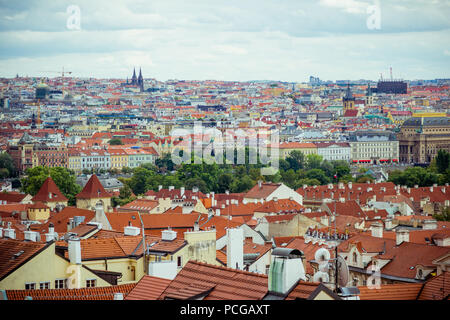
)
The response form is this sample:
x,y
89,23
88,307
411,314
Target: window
x,y
91,283
44,285
30,286
60,283
179,262
355,257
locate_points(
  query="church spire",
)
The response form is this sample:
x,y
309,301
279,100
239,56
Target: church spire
x,y
134,79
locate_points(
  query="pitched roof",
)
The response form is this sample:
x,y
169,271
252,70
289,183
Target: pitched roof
x,y
218,283
12,197
14,253
96,293
279,206
400,291
141,205
148,288
93,189
437,288
262,192
60,219
49,192
303,290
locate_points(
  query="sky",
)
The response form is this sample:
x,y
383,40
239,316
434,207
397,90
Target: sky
x,y
233,40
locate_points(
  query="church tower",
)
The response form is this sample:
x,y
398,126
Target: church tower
x,y
140,81
134,79
348,100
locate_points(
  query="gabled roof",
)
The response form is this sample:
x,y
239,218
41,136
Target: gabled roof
x,y
93,190
12,197
262,192
437,288
49,192
280,205
61,218
217,283
15,253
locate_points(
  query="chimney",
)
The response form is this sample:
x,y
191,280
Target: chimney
x,y
49,195
285,270
349,184
181,191
74,251
275,199
30,235
217,212
416,186
260,184
429,224
69,224
388,224
227,202
171,188
131,231
194,189
159,187
227,192
324,220
443,190
9,232
196,227
401,235
377,230
118,296
235,248
168,235
408,190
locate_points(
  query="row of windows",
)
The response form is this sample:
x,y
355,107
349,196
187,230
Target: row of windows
x,y
59,284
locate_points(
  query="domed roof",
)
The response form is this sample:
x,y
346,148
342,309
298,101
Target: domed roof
x,y
42,85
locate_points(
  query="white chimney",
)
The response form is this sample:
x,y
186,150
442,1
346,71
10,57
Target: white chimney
x,y
275,199
168,235
1,232
74,251
377,230
235,248
118,296
285,271
194,189
69,224
227,202
30,235
160,187
171,188
9,232
217,212
431,189
429,224
388,224
181,191
260,184
401,235
131,231
196,227
349,184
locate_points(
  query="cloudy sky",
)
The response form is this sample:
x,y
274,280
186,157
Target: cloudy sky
x,y
286,40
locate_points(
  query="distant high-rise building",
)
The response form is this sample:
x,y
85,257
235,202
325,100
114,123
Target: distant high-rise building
x,y
392,86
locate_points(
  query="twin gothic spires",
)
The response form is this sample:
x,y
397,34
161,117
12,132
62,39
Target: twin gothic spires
x,y
137,81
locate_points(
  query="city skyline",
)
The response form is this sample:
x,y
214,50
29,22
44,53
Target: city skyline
x,y
231,41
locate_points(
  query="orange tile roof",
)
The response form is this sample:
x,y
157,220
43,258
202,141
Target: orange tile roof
x,y
14,253
401,291
148,288
61,218
279,206
218,283
303,290
262,192
436,288
96,293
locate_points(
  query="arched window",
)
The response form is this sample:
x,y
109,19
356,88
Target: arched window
x,y
355,257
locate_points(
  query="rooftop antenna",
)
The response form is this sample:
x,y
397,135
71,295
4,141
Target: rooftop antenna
x,y
391,73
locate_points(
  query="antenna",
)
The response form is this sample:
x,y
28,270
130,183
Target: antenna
x,y
391,73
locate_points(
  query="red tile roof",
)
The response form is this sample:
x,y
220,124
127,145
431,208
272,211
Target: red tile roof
x,y
96,293
218,283
148,288
49,192
401,291
303,290
262,192
436,288
280,206
12,197
93,189
14,253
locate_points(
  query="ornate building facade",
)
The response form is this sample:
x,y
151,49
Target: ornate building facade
x,y
420,138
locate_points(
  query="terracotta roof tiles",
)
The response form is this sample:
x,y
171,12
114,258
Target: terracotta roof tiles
x,y
93,189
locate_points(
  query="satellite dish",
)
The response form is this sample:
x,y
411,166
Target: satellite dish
x,y
321,277
322,255
343,273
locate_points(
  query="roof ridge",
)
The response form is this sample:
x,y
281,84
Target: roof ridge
x,y
227,268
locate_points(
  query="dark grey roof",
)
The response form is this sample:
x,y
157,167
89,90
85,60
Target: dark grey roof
x,y
427,121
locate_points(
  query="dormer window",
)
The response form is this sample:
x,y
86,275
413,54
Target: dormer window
x,y
355,257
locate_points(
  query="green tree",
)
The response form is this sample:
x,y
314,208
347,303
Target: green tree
x,y
7,166
313,161
64,179
319,175
443,215
296,160
442,161
224,182
242,185
115,142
